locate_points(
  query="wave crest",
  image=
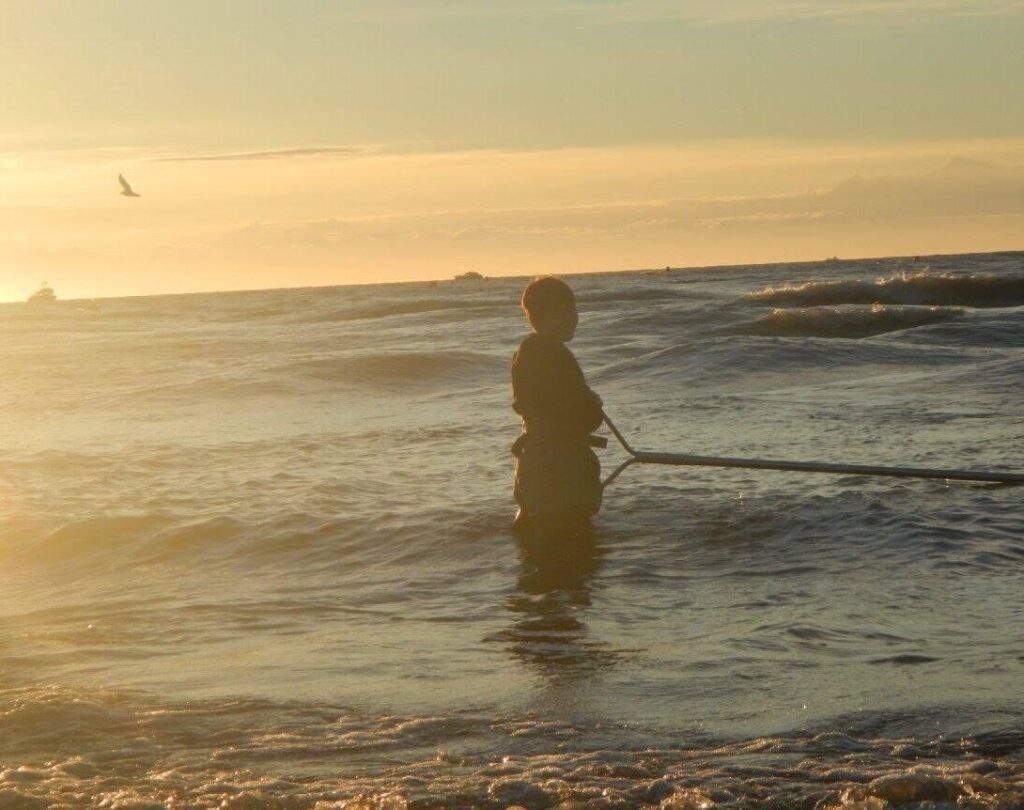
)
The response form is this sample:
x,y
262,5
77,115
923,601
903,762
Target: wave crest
x,y
922,289
847,321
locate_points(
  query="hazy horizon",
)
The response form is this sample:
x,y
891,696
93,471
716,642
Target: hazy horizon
x,y
919,257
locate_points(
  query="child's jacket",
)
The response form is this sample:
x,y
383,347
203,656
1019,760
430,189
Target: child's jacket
x,y
557,474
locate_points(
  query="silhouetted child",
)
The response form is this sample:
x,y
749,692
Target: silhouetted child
x,y
558,477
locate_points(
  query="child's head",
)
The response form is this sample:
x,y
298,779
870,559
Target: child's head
x,y
550,308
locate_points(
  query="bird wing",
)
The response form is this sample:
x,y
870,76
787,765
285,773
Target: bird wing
x,y
124,183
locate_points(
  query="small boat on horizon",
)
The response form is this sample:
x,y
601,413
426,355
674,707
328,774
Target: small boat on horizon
x,y
44,295
470,275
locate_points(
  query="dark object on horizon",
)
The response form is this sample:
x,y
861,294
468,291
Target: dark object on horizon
x,y
126,190
44,295
470,275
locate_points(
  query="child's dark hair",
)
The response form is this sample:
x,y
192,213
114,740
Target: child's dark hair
x,y
545,295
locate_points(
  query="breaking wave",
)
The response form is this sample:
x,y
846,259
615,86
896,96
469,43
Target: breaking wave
x,y
922,289
850,321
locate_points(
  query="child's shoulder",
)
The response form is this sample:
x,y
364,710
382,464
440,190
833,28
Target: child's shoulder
x,y
537,349
534,345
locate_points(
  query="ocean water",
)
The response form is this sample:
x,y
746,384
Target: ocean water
x,y
254,549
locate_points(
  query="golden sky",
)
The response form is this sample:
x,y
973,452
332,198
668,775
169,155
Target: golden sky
x,y
335,142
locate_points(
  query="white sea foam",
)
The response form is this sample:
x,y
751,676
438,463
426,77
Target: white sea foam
x,y
88,749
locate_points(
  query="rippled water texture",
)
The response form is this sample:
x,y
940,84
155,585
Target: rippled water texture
x,y
254,549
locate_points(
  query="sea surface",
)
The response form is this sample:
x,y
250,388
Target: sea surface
x,y
254,548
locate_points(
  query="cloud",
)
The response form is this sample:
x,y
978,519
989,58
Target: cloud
x,y
376,11
763,217
506,231
273,154
703,11
741,11
962,190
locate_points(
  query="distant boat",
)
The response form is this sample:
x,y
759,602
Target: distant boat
x,y
44,295
470,275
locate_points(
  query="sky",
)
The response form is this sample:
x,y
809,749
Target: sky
x,y
314,143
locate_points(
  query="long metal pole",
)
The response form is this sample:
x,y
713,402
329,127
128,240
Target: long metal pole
x,y
688,460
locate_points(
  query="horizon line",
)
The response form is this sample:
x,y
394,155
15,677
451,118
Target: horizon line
x,y
659,269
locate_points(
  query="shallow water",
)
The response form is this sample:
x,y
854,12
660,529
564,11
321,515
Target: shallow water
x,y
254,548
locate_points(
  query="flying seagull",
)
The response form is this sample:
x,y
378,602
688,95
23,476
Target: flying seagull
x,y
127,189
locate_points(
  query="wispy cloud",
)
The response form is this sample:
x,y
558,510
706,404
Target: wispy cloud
x,y
377,11
700,11
274,154
764,217
742,11
962,190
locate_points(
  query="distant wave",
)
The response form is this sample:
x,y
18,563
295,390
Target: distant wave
x,y
845,322
417,307
401,369
428,305
923,289
640,294
387,371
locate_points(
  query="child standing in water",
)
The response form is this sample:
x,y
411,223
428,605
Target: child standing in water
x,y
558,477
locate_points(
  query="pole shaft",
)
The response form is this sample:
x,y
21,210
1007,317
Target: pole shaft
x,y
686,460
